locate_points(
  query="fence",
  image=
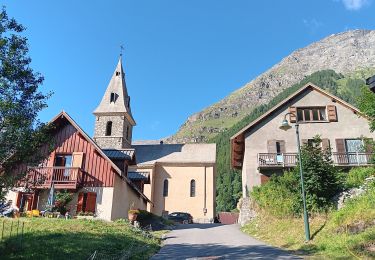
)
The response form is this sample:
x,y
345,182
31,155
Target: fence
x,y
228,218
11,233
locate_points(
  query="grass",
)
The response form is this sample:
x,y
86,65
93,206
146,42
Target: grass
x,y
348,233
74,239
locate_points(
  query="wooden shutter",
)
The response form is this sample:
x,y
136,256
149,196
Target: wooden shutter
x,y
80,202
325,144
91,202
271,146
342,158
292,117
340,145
332,114
282,146
77,159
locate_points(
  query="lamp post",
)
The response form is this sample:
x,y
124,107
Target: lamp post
x,y
285,126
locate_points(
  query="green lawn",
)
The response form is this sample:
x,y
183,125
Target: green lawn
x,y
74,239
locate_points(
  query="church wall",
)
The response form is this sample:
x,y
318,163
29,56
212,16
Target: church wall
x,y
179,178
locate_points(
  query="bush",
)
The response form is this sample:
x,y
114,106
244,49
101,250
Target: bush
x,y
280,196
356,176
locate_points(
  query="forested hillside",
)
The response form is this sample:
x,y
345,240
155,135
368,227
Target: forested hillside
x,y
228,180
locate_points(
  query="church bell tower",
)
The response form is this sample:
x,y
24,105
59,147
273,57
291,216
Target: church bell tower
x,y
113,118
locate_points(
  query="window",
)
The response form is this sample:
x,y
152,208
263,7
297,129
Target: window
x,y
108,129
127,132
192,188
63,160
278,147
165,188
112,97
310,114
117,73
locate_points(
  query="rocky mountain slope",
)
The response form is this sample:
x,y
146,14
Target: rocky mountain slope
x,y
347,53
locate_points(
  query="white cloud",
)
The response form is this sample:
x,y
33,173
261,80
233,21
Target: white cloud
x,y
313,25
355,5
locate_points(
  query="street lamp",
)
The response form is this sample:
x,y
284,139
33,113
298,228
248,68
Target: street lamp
x,y
286,126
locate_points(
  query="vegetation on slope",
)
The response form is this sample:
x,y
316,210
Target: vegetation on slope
x,y
75,239
229,180
346,233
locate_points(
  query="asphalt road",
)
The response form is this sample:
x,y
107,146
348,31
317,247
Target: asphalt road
x,y
214,241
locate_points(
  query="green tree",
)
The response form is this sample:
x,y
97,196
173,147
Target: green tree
x,y
322,180
366,103
20,101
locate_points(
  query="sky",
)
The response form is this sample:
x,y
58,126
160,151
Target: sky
x,y
180,56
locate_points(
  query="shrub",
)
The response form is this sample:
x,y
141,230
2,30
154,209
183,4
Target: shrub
x,y
356,176
62,200
280,196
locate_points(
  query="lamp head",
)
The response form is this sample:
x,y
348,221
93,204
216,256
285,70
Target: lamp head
x,y
285,125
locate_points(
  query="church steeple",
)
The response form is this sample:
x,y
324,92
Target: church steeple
x,y
114,120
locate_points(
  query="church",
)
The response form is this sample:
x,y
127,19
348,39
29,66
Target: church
x,y
108,175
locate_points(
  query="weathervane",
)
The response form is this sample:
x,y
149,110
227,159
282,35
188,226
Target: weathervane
x,y
121,49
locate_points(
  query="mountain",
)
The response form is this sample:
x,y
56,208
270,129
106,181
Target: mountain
x,y
350,53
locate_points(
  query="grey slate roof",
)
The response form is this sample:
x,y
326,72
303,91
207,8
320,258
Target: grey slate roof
x,y
134,176
175,153
123,154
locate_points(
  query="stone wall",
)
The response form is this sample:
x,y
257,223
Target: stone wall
x,y
247,212
118,138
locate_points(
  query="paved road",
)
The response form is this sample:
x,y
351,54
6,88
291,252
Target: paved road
x,y
215,241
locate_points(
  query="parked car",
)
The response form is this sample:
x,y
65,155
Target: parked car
x,y
181,217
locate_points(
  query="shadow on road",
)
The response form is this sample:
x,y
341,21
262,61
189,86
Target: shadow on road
x,y
214,251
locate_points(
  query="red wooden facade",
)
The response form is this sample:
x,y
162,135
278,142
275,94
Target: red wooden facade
x,y
89,166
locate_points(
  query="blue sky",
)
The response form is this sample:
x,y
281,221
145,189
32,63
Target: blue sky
x,y
180,56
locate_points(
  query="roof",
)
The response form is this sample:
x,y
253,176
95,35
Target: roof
x,y
294,95
64,115
237,140
175,153
120,154
116,85
136,176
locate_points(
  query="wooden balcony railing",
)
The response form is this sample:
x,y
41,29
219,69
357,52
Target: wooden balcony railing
x,y
61,177
287,160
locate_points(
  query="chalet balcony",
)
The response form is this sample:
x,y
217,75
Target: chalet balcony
x,y
61,177
289,160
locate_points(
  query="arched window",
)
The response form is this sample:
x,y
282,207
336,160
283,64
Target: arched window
x,y
165,188
108,129
192,188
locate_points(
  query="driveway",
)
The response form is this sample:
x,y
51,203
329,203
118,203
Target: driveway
x,y
215,241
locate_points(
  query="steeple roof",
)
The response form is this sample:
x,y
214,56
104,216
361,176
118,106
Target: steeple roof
x,y
116,99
